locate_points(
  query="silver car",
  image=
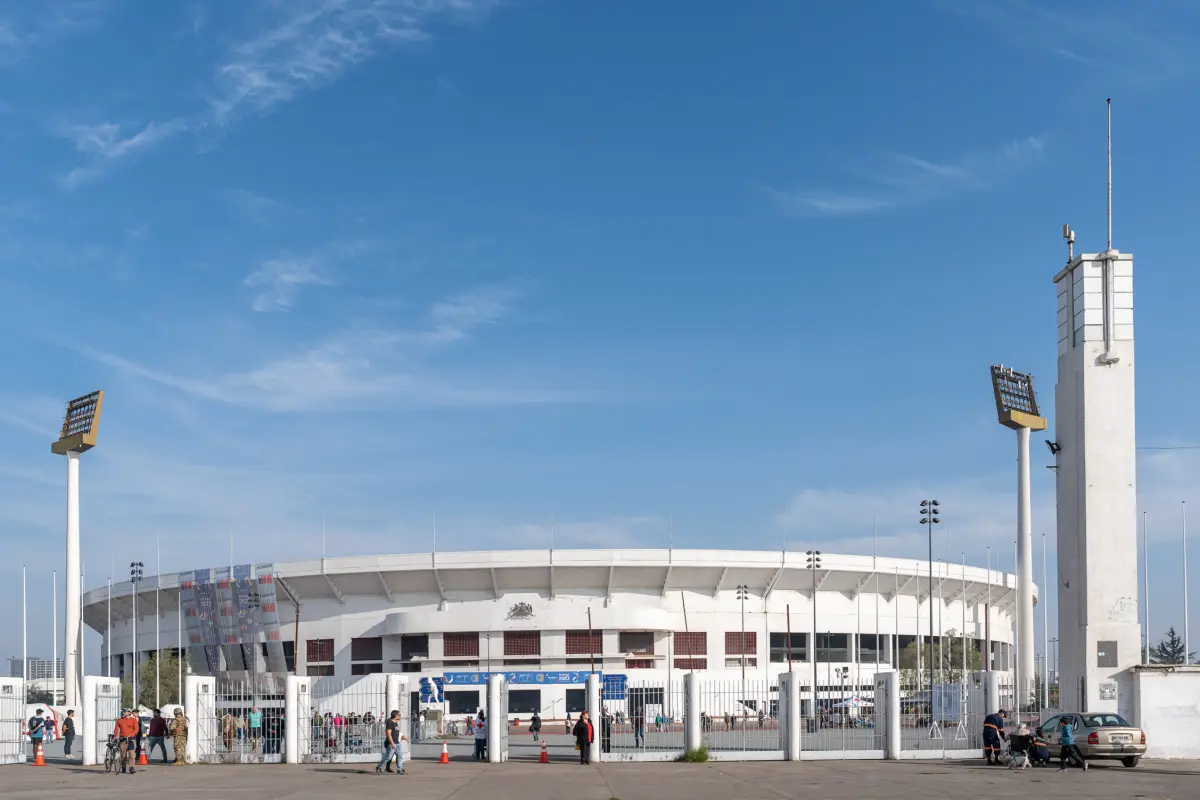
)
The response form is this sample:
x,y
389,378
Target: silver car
x,y
1099,736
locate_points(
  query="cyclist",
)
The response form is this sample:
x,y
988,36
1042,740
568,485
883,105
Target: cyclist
x,y
126,731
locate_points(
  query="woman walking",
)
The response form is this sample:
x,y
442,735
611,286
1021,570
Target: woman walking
x,y
584,736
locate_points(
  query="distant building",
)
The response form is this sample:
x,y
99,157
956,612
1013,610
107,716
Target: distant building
x,y
40,669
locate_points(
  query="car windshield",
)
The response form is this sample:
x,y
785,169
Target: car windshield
x,y
1104,721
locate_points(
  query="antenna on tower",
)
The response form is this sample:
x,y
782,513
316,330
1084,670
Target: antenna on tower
x,y
1109,102
1069,236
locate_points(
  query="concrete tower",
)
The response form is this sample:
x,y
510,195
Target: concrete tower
x,y
1098,630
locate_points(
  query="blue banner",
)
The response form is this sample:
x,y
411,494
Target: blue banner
x,y
432,691
517,678
613,687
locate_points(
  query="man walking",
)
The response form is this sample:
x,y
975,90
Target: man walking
x,y
392,738
68,732
158,735
1069,750
37,730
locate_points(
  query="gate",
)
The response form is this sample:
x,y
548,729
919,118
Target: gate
x,y
12,721
342,721
844,722
741,716
646,724
240,722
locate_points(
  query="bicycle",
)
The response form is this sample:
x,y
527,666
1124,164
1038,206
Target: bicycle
x,y
112,753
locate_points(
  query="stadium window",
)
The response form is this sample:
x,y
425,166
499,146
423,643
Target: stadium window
x,y
576,700
743,643
638,643
522,643
414,646
367,649
833,647
691,663
869,647
524,701
318,650
366,669
585,643
289,656
463,702
460,645
780,647
320,670
688,644
736,662
639,663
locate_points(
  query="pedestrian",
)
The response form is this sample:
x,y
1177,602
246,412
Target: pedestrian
x,y
158,735
37,730
993,733
584,736
480,736
535,725
68,732
1069,751
392,738
255,727
179,732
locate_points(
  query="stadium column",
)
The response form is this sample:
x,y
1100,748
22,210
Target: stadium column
x,y
595,712
692,732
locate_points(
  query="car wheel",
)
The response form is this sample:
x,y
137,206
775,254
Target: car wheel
x,y
1131,761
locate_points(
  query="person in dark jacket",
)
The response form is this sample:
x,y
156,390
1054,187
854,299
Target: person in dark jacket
x,y
993,733
584,736
68,732
535,725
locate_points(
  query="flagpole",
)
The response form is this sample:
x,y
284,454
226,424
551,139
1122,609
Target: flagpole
x,y
875,569
108,634
987,618
1186,646
964,622
157,622
1146,572
1044,599
24,632
54,636
179,645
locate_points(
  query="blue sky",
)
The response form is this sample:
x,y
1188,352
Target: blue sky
x,y
584,266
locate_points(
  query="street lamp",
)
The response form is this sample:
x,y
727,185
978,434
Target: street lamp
x,y
135,575
929,517
1017,409
78,435
812,564
743,592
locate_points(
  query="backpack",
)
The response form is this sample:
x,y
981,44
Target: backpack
x,y
36,725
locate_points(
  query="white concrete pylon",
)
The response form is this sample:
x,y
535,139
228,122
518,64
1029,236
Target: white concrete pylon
x,y
73,676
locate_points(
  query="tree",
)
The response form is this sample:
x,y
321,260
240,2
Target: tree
x,y
168,687
35,696
1170,650
947,660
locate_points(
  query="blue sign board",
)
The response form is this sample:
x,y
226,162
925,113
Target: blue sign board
x,y
517,678
431,690
613,687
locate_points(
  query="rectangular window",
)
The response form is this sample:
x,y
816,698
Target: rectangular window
x,y
691,644
691,663
366,669
522,643
411,666
736,663
527,663
318,650
414,646
460,645
576,700
780,647
463,702
639,643
366,649
581,643
870,648
741,643
833,647
639,663
524,701
320,670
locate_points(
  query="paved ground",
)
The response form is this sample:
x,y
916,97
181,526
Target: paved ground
x,y
856,780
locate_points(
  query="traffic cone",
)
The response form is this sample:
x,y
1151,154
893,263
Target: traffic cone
x,y
39,760
545,758
445,759
142,760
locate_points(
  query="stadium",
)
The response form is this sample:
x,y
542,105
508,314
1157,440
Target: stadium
x,y
447,619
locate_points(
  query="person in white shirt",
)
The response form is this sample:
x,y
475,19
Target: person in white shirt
x,y
480,736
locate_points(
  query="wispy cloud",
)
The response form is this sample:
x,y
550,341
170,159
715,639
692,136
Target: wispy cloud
x,y
279,282
313,42
251,205
24,29
109,142
903,179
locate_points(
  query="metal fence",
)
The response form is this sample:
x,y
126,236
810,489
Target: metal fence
x,y
739,715
944,717
240,722
649,719
837,721
104,717
343,721
12,722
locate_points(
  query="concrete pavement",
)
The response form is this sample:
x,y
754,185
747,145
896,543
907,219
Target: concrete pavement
x,y
828,780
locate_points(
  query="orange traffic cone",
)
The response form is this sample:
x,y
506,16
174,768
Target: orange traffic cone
x,y
545,759
445,759
142,760
39,760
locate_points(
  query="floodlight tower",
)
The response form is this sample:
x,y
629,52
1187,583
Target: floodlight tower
x,y
78,435
1017,408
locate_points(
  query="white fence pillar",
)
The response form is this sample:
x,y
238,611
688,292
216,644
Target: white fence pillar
x,y
199,704
595,713
397,700
97,716
293,725
693,735
12,721
789,715
497,719
887,710
991,693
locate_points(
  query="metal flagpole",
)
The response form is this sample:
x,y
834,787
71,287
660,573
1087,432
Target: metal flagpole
x,y
157,618
987,618
1044,600
108,634
1186,651
963,678
875,569
179,646
24,632
54,636
1146,572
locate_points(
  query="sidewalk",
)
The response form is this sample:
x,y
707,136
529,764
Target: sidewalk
x,y
829,780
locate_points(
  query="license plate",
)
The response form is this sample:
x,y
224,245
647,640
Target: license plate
x,y
1122,739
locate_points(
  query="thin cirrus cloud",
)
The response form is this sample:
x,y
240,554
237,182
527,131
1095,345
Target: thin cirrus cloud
x,y
279,281
109,142
905,180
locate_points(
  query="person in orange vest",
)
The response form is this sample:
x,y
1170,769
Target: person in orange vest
x,y
126,731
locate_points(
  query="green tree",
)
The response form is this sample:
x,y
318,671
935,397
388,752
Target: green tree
x,y
168,687
1170,650
947,661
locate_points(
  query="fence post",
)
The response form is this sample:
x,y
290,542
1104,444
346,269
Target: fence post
x,y
887,701
595,714
497,718
991,692
693,735
291,712
789,685
87,715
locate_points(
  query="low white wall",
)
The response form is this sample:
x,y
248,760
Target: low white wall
x,y
1167,707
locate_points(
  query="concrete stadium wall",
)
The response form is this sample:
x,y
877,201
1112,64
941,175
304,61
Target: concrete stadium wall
x,y
1167,706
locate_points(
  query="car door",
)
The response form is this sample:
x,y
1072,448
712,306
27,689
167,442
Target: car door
x,y
1050,729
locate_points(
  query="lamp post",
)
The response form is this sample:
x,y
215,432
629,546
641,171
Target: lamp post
x,y
743,592
135,575
812,564
929,517
78,435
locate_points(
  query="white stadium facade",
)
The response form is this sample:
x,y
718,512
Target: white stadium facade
x,y
652,615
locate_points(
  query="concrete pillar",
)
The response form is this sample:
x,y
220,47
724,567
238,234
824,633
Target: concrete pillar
x,y
291,713
887,710
693,734
595,712
991,692
789,714
199,704
85,715
397,700
497,719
